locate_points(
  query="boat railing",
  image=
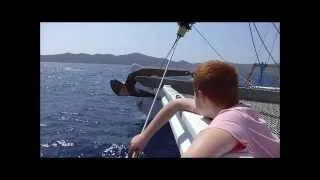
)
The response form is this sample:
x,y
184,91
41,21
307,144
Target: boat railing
x,y
185,125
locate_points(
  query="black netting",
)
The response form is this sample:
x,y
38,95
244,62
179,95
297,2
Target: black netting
x,y
270,112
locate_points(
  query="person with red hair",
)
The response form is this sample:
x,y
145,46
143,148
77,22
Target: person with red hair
x,y
236,130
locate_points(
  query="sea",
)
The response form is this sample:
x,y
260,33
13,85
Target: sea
x,y
81,117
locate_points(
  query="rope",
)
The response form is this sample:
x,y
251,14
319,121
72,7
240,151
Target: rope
x,y
264,38
183,28
250,28
208,43
168,52
164,73
264,44
272,47
275,27
180,34
214,49
156,95
255,50
276,36
254,46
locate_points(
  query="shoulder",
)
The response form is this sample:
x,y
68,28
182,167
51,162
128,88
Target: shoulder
x,y
238,114
233,120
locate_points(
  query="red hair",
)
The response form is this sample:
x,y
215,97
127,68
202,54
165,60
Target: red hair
x,y
218,81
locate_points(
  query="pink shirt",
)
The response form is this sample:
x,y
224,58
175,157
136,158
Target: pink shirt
x,y
248,127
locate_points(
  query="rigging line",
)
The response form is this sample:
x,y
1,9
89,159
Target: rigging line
x,y
164,73
256,53
255,49
264,44
254,46
175,41
213,48
155,97
272,47
264,37
208,42
276,28
273,43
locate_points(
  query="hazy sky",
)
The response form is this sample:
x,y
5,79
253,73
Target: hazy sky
x,y
232,40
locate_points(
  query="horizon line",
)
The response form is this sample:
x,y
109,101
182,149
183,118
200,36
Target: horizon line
x,y
92,54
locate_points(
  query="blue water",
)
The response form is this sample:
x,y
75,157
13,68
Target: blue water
x,y
82,117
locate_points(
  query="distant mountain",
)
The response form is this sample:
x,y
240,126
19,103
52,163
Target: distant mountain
x,y
127,59
144,60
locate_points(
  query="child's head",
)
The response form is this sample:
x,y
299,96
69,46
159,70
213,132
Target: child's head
x,y
215,82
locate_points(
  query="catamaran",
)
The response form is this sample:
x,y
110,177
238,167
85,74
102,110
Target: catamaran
x,y
167,84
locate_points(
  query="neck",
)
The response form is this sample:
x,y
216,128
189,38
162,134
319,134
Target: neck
x,y
214,110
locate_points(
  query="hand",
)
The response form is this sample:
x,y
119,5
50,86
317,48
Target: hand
x,y
137,144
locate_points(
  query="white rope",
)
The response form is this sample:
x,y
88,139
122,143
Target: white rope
x,y
168,53
156,95
180,34
164,73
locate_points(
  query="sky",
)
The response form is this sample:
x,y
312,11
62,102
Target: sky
x,y
232,40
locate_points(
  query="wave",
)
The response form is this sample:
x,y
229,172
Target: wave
x,y
59,143
116,151
43,125
72,69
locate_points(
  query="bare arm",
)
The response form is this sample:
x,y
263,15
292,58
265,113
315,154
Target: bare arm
x,y
187,104
161,118
212,142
